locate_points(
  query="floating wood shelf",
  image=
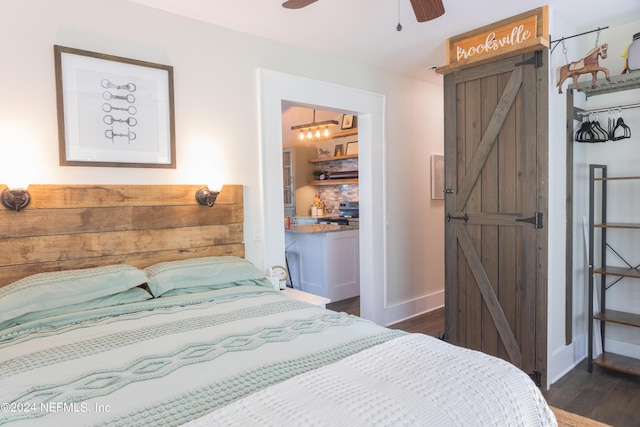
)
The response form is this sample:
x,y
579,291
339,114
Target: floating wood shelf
x,y
333,159
344,133
345,181
617,83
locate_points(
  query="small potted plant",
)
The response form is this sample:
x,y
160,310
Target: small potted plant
x,y
319,174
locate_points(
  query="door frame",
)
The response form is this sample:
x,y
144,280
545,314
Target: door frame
x,y
275,88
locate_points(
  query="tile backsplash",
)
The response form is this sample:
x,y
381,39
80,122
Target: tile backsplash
x,y
332,195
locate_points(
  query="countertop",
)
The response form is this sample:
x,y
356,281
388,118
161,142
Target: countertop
x,y
320,228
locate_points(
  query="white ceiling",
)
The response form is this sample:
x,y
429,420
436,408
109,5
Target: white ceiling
x,y
365,30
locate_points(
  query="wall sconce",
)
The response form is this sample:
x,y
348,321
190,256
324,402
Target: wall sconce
x,y
15,199
204,196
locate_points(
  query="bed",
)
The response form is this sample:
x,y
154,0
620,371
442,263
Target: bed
x,y
180,329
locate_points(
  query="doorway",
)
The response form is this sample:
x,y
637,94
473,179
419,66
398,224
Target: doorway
x,y
276,88
320,180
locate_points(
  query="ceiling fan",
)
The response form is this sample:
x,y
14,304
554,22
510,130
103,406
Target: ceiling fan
x,y
425,10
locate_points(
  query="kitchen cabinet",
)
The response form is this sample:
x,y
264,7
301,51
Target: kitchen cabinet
x,y
325,263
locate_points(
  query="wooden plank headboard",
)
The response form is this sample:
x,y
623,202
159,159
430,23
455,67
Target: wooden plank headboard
x,y
82,226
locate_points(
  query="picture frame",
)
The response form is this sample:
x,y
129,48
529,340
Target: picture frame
x,y
352,148
338,150
347,121
114,111
322,153
437,177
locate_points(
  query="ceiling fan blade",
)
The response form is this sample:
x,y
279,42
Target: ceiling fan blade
x,y
427,10
297,4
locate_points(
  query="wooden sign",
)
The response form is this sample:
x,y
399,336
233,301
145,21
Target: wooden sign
x,y
519,34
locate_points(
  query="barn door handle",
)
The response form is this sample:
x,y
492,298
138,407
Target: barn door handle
x,y
536,220
465,217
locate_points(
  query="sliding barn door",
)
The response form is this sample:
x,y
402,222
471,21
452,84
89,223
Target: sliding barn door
x,y
495,210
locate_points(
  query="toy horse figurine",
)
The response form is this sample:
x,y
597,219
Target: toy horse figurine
x,y
588,64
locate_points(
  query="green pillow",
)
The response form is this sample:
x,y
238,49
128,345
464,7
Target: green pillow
x,y
201,274
46,291
125,297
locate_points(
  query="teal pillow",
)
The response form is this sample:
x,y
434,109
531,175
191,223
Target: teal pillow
x,y
202,274
46,291
125,297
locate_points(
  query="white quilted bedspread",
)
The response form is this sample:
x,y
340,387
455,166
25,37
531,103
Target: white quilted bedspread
x,y
413,380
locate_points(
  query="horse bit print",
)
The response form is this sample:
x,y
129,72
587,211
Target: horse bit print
x,y
120,102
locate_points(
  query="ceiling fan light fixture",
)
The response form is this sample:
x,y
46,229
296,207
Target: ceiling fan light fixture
x,y
427,10
297,4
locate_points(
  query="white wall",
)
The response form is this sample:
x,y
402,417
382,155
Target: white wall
x,y
623,159
217,120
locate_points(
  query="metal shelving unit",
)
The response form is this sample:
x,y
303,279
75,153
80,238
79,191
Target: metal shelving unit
x,y
609,275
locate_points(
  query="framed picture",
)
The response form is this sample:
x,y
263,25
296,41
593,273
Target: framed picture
x,y
347,121
322,153
352,148
113,111
437,177
338,150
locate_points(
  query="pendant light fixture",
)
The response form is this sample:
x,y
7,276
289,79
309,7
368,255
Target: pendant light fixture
x,y
314,130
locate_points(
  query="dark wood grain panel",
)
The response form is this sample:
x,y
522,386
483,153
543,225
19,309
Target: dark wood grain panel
x,y
472,199
489,180
508,251
494,269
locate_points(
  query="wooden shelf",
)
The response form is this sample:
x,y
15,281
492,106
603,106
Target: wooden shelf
x,y
616,178
629,225
619,363
342,134
345,181
333,159
619,271
602,86
620,317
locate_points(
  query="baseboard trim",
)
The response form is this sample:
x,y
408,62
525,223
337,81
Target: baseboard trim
x,y
415,307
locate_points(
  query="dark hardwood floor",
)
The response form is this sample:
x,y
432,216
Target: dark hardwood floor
x,y
603,395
